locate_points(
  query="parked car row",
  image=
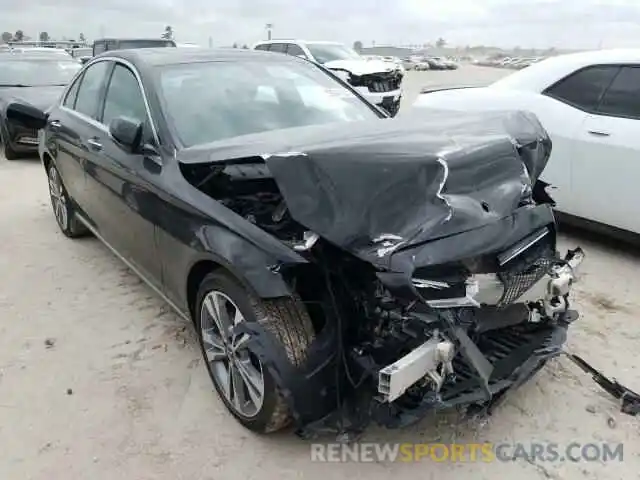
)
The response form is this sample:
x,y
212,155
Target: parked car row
x,y
417,62
340,267
514,63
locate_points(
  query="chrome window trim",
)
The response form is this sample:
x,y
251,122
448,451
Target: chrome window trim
x,y
93,121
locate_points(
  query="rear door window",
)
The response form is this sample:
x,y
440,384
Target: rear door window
x,y
584,88
90,90
295,50
70,99
278,47
622,98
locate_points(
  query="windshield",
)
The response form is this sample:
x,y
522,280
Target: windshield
x,y
206,102
326,52
127,44
37,73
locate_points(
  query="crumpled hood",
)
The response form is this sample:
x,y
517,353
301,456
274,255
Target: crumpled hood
x,y
413,180
373,188
361,67
40,97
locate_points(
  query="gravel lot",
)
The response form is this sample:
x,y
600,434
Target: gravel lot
x,y
99,380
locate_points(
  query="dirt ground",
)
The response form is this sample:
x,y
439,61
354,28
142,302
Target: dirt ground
x,y
100,380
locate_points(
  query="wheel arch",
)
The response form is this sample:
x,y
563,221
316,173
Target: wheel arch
x,y
196,275
261,282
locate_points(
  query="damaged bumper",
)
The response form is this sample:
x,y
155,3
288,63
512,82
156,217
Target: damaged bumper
x,y
515,355
501,358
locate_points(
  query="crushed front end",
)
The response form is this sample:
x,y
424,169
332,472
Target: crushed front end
x,y
474,329
432,275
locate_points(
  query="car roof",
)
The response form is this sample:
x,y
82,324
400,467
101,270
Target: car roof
x,y
293,40
545,73
173,56
131,39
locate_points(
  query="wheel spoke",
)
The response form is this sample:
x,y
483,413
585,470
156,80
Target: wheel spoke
x,y
212,304
220,307
253,381
237,317
214,346
53,188
240,341
237,390
224,375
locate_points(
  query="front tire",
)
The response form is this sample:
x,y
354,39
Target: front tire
x,y
62,208
246,387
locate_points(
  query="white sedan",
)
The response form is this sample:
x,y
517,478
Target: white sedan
x,y
590,104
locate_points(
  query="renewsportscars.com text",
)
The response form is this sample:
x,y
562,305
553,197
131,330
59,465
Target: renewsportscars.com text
x,y
540,452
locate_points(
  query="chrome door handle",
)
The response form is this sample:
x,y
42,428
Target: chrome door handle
x,y
94,144
55,124
599,133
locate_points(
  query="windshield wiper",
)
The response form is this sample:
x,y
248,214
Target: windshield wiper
x,y
14,85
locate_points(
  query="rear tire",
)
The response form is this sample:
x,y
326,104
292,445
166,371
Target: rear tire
x,y
288,321
62,206
8,152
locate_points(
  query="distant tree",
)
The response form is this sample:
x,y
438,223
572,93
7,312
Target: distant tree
x,y
82,38
168,33
7,37
44,37
245,46
235,45
357,46
441,42
18,36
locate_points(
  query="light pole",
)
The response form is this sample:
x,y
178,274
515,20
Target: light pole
x,y
269,27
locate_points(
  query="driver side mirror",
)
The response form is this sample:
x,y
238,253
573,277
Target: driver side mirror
x,y
127,132
27,115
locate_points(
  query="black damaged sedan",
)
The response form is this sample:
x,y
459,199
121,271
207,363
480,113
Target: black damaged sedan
x,y
339,266
33,78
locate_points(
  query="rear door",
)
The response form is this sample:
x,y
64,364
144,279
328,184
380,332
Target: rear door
x,y
607,163
70,125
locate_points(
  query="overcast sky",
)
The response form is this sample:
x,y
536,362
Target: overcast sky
x,y
526,23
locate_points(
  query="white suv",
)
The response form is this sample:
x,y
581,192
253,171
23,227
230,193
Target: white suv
x,y
378,81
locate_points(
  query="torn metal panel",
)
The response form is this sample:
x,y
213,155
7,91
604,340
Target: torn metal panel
x,y
413,182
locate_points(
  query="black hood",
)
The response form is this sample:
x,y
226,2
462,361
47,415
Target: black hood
x,y
40,97
375,187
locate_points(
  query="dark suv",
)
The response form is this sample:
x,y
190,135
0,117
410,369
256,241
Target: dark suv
x,y
104,44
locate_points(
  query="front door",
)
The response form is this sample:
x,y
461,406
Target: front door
x,y
121,181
